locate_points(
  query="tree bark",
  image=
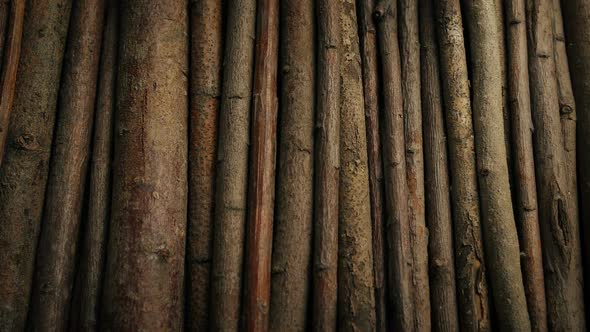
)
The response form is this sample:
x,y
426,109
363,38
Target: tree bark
x,y
55,264
499,228
93,256
206,24
443,295
356,298
527,218
327,166
371,89
262,172
576,21
232,166
469,257
410,69
559,227
145,265
25,168
394,161
291,259
10,46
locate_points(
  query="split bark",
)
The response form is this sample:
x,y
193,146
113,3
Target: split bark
x,y
93,256
410,68
327,166
145,264
559,227
469,257
206,24
262,172
24,171
232,166
371,88
576,15
443,295
10,45
292,238
499,228
394,161
527,218
356,298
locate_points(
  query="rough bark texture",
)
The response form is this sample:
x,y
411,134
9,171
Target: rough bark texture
x,y
469,257
394,163
371,89
443,295
291,258
55,264
206,24
501,36
576,15
356,298
93,256
25,168
327,166
10,45
232,166
499,228
559,227
145,264
526,213
410,65
261,195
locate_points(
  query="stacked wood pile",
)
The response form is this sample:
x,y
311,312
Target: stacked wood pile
x,y
266,165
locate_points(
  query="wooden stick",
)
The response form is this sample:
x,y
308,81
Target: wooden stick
x,y
24,171
499,229
356,298
262,172
576,21
559,227
327,165
10,46
232,166
394,161
410,64
292,238
206,24
93,256
443,295
469,256
145,263
371,87
526,213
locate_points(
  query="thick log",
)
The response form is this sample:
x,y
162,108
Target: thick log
x,y
24,171
145,261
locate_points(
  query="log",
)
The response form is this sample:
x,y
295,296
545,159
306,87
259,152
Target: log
x,y
93,255
292,238
327,166
371,89
145,261
261,195
525,203
410,65
559,227
499,228
443,294
206,24
356,298
394,164
472,289
232,166
10,46
24,170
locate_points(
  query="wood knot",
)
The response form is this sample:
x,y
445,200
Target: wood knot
x,y
27,142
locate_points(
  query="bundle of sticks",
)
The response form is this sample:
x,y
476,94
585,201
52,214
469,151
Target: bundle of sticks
x,y
256,165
